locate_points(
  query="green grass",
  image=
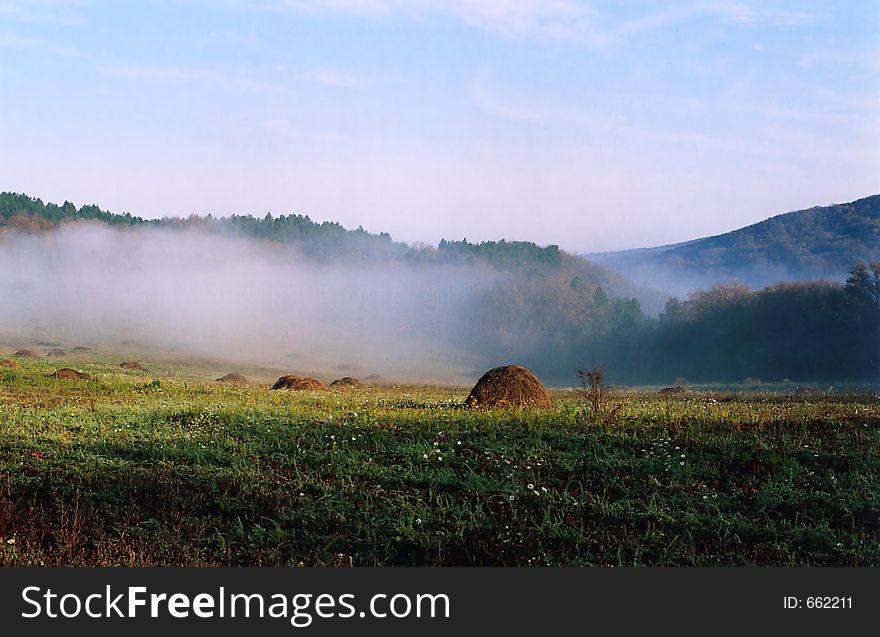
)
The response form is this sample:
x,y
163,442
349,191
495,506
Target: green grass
x,y
135,469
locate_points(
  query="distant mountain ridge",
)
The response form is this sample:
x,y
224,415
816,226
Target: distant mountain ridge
x,y
816,243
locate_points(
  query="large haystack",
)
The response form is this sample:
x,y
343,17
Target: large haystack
x,y
132,366
233,378
346,381
65,373
297,382
25,353
8,362
509,386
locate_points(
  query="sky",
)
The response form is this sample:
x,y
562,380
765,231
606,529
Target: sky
x,y
592,125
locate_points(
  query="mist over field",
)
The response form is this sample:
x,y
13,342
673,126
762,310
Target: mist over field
x,y
675,280
237,299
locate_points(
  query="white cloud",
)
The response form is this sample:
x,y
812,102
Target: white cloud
x,y
868,59
137,72
759,14
15,41
492,104
584,22
180,74
336,79
64,12
553,18
568,19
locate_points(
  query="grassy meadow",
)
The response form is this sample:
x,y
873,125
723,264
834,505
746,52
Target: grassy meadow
x,y
150,468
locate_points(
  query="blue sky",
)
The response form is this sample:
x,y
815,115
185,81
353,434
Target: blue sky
x,y
591,125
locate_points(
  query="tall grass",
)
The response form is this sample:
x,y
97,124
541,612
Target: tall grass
x,y
128,469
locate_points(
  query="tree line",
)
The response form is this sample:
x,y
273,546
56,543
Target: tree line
x,y
325,240
809,331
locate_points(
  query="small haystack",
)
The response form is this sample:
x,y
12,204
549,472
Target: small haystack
x,y
297,382
25,353
65,373
56,353
509,386
346,381
233,379
374,378
133,366
8,362
678,390
80,348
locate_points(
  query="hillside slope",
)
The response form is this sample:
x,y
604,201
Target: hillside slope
x,y
820,242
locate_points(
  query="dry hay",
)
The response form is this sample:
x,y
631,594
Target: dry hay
x,y
233,378
65,373
56,353
132,366
509,386
672,391
25,353
297,382
8,362
346,381
80,348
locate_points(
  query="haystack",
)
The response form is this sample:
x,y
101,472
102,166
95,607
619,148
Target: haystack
x,y
65,373
132,366
673,391
8,362
80,348
233,378
56,353
25,353
297,382
346,381
509,386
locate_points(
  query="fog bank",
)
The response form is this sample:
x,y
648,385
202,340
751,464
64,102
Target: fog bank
x,y
236,299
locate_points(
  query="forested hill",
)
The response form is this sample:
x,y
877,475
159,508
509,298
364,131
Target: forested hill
x,y
28,214
330,241
820,242
326,239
